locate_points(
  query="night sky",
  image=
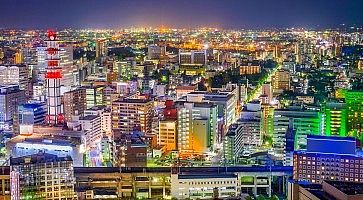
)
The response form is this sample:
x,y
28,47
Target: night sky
x,y
179,13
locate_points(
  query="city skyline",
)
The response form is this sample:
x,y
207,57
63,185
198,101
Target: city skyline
x,y
180,14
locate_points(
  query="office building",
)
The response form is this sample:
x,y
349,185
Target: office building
x,y
16,75
132,113
74,103
91,125
335,118
155,52
281,81
131,150
42,176
353,100
245,135
94,96
167,136
304,123
10,98
101,48
105,113
30,114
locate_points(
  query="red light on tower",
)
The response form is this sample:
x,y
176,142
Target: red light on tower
x,y
51,35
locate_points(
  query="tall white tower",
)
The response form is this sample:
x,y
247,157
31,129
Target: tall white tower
x,y
53,77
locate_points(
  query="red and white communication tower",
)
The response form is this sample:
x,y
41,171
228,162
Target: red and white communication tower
x,y
53,77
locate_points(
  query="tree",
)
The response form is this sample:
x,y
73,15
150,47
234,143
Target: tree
x,y
261,197
274,197
248,198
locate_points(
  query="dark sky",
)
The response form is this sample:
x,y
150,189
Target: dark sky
x,y
178,13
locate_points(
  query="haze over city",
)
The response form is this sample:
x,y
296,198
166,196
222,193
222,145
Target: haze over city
x,y
179,14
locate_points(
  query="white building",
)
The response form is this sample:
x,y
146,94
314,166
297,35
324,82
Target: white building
x,y
204,186
91,124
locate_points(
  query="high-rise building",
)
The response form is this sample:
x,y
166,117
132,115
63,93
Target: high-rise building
x,y
10,98
354,105
281,81
94,96
18,58
241,136
15,74
168,134
197,126
303,122
155,52
328,158
335,118
53,77
42,176
74,103
91,125
105,113
30,114
101,48
132,113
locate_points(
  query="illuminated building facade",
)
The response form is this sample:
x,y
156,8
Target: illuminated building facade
x,y
15,74
335,118
168,134
155,52
43,176
249,68
243,135
10,98
322,162
192,57
354,104
281,81
131,150
197,126
101,48
94,96
30,114
204,186
91,125
132,113
74,103
304,123
53,77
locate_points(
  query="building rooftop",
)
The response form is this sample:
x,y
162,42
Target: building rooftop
x,y
89,117
38,158
348,188
205,176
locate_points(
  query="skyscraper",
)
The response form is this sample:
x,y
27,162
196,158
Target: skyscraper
x,y
53,77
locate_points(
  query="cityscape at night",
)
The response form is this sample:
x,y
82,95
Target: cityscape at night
x,y
189,100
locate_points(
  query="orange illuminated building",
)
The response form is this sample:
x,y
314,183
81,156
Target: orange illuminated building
x,y
249,68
